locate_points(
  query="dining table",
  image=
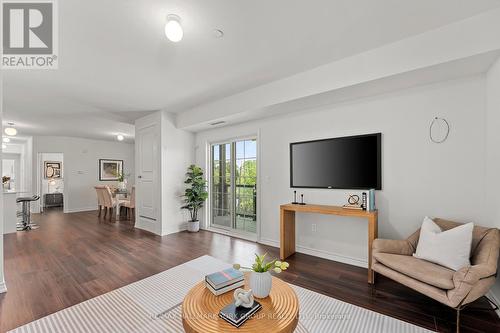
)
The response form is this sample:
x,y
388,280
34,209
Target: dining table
x,y
120,195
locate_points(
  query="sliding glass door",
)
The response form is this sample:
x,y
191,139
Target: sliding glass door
x,y
233,186
245,180
221,183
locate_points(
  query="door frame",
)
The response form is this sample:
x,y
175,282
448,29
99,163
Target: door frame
x,y
18,161
40,177
208,177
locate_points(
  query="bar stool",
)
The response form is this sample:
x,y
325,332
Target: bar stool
x,y
25,214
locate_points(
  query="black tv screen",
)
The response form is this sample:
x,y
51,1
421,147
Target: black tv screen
x,y
352,162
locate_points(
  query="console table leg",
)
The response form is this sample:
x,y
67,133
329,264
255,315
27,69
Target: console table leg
x,y
372,235
287,233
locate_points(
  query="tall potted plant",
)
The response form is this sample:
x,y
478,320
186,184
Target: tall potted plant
x,y
194,195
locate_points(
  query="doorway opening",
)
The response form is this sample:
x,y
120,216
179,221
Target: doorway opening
x,y
51,184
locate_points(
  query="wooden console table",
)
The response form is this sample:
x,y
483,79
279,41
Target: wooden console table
x,y
287,227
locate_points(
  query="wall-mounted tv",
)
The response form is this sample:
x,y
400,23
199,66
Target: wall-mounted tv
x,y
352,162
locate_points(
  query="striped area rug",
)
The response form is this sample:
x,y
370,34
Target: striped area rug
x,y
154,305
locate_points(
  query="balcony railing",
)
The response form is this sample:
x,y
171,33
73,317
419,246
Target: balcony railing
x,y
221,202
253,197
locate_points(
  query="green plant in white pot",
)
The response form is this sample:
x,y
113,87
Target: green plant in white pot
x,y
260,279
122,180
195,195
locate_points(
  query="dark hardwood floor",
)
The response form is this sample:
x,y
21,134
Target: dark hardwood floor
x,y
74,257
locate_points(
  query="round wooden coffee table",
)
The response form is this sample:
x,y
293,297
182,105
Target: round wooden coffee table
x,y
279,313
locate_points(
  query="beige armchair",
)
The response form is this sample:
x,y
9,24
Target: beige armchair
x,y
394,259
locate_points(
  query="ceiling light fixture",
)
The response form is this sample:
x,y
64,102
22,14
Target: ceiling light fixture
x,y
6,140
173,28
10,130
4,146
120,137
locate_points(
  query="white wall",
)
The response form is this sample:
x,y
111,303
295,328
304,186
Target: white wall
x,y
177,154
419,177
27,156
459,40
493,151
81,166
3,287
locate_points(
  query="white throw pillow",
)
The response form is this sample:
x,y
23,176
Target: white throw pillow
x,y
450,248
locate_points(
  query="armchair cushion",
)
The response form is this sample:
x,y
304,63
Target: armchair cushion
x,y
450,248
418,269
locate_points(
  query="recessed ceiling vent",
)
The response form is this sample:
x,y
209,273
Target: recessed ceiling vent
x,y
218,123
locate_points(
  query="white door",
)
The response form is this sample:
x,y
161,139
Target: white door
x,y
147,184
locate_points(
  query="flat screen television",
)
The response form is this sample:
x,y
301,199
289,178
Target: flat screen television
x,y
352,162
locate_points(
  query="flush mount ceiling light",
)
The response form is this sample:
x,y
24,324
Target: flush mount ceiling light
x,y
120,137
6,140
10,130
173,28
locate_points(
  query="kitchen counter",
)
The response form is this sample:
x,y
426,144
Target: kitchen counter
x,y
9,211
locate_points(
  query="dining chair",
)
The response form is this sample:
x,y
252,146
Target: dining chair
x,y
110,203
130,205
100,197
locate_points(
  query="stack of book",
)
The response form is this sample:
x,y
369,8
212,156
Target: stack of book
x,y
355,207
369,200
237,315
221,282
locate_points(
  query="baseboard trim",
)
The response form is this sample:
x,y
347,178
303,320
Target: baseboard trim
x,y
3,287
496,299
250,238
174,231
320,253
146,226
151,227
78,210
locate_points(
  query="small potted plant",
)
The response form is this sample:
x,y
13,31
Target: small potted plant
x,y
195,195
260,278
122,180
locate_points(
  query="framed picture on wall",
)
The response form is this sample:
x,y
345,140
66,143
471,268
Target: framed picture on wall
x,y
52,169
109,170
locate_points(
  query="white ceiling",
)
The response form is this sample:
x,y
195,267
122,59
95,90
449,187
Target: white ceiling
x,y
16,145
116,64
